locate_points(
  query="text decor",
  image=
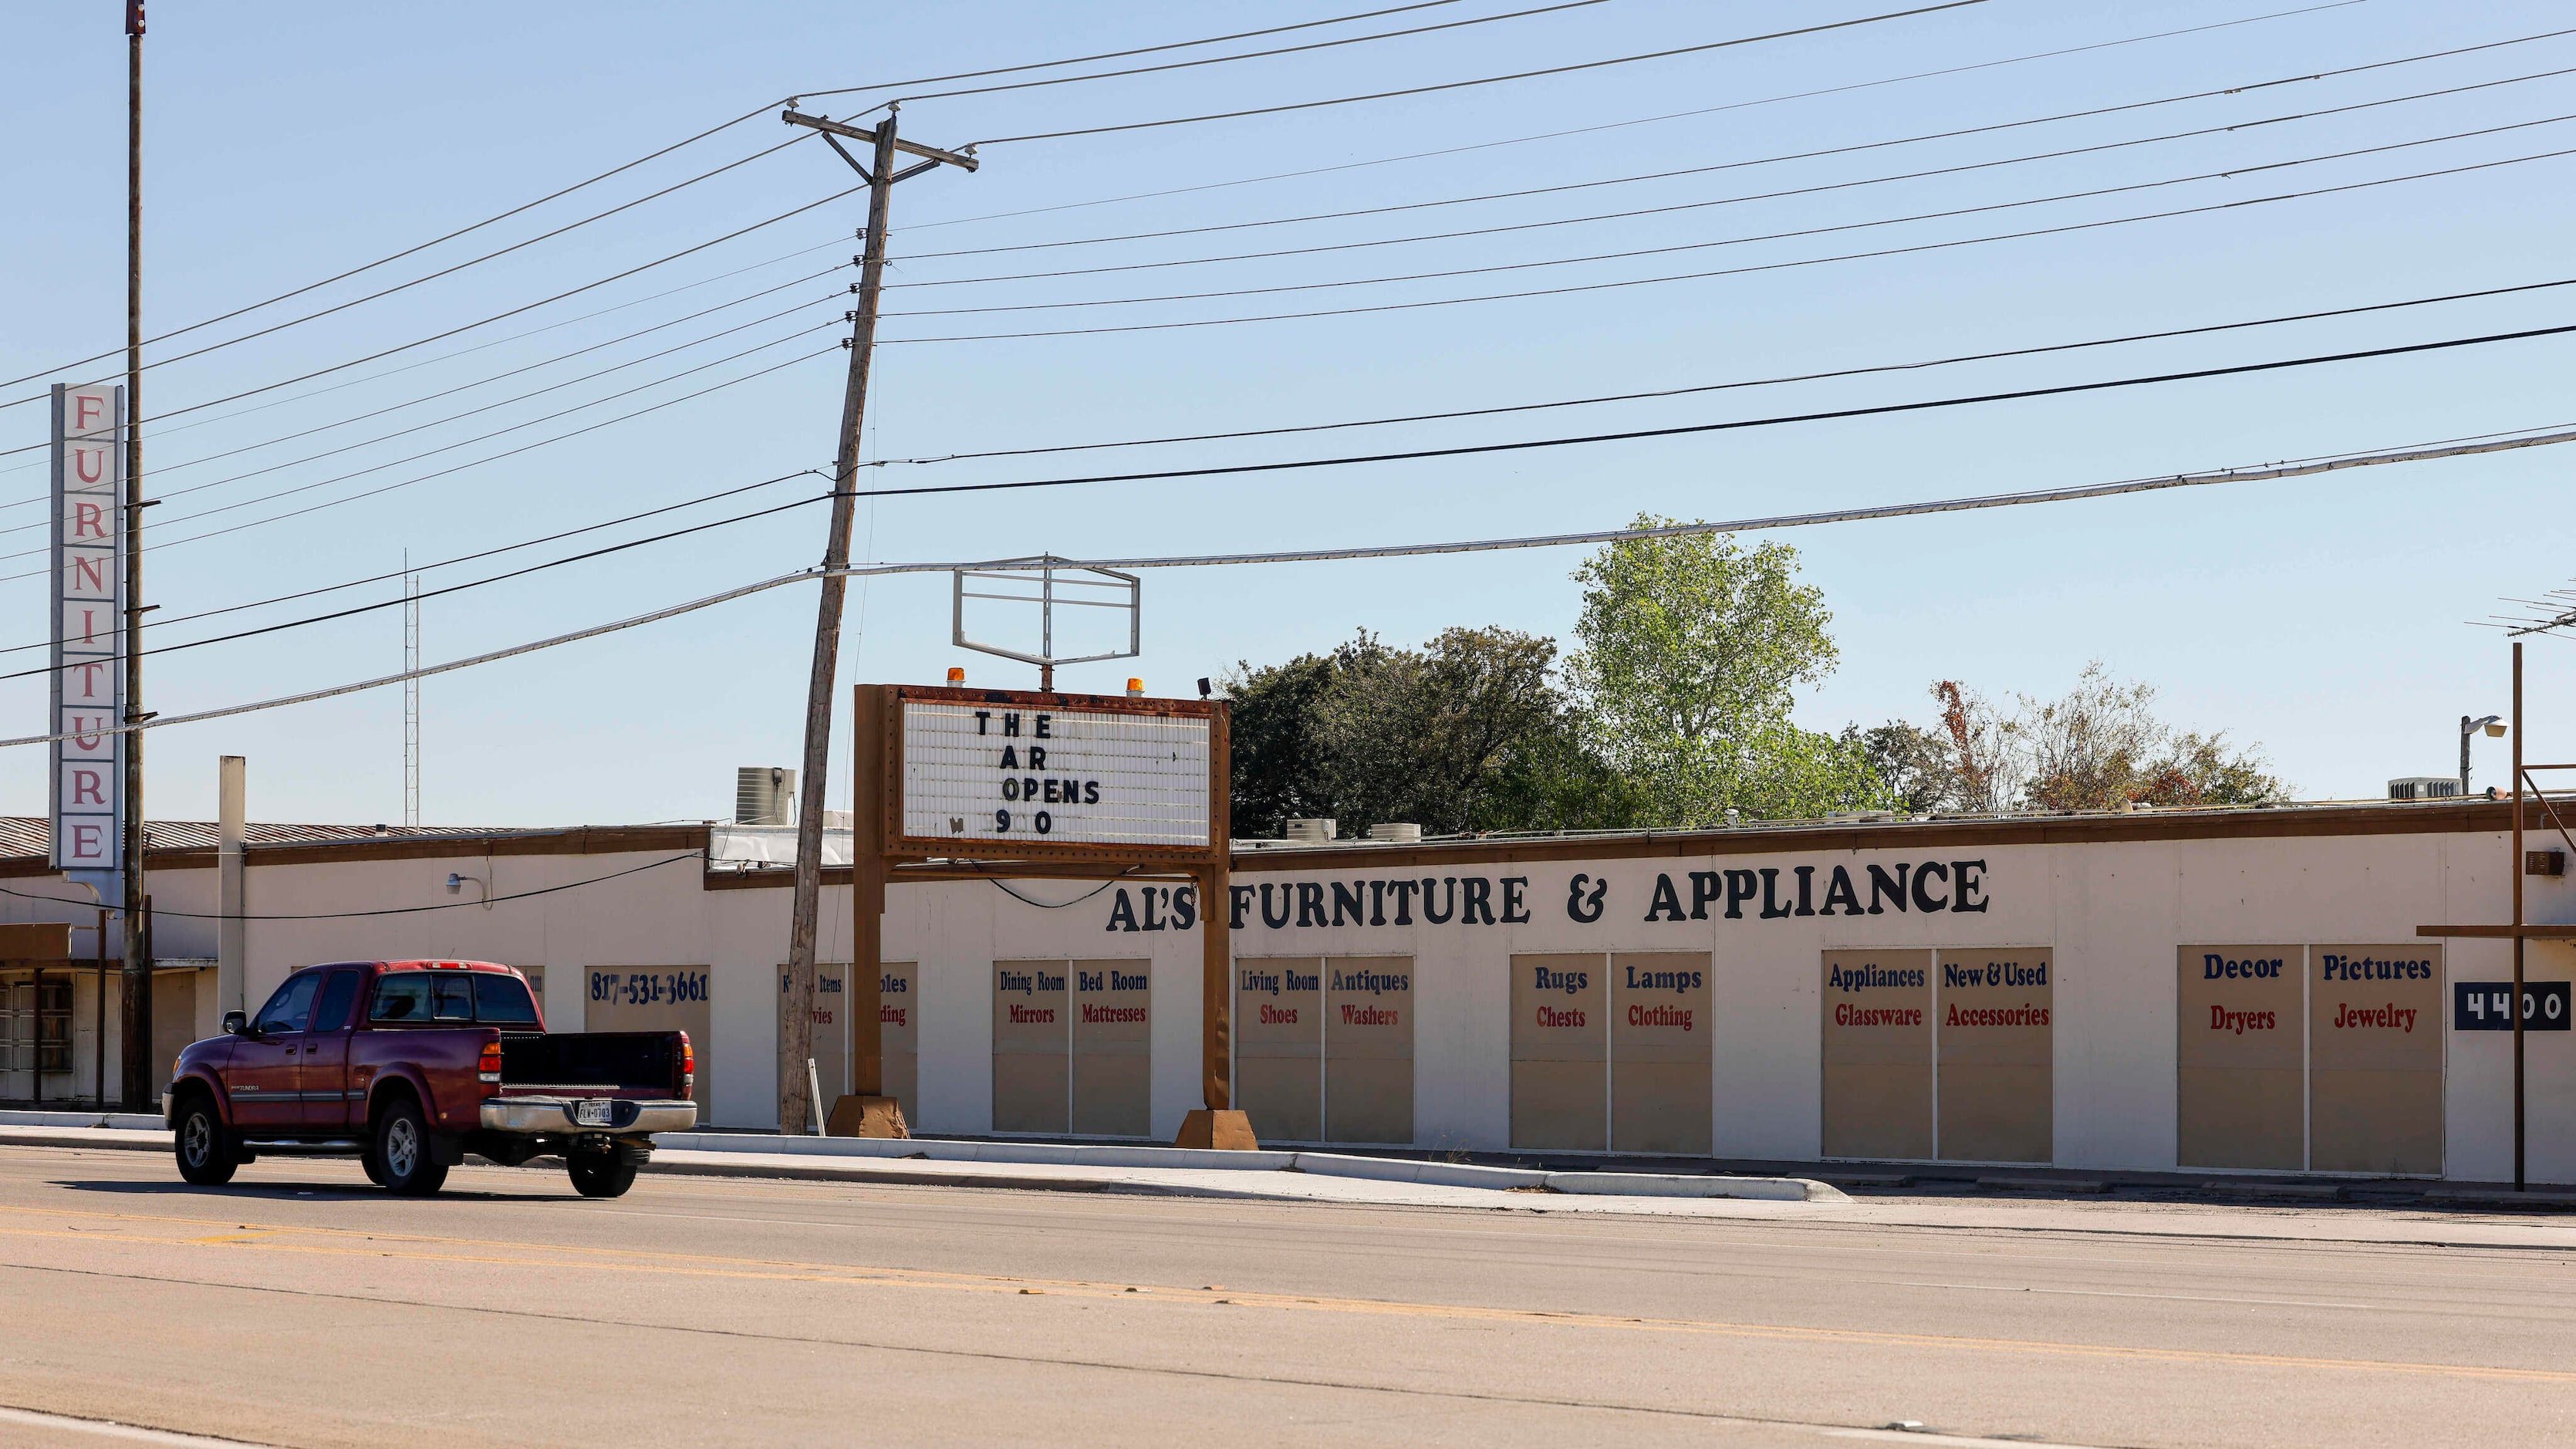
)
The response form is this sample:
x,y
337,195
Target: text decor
x,y
88,677
999,771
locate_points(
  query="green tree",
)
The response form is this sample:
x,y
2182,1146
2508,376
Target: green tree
x,y
1691,651
2101,747
1424,735
1277,762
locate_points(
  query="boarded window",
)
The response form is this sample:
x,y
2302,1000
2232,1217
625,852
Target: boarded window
x,y
1368,1049
1113,1048
2237,1088
1032,1090
1995,1029
1659,1052
1878,1054
2375,1058
1279,1046
1560,1052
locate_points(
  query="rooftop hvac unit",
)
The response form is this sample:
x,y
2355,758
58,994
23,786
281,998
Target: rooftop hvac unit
x,y
2424,787
1393,833
1311,832
764,795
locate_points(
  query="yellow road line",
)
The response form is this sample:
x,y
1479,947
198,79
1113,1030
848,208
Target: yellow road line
x,y
510,1255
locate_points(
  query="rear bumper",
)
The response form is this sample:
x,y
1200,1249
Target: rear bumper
x,y
553,1116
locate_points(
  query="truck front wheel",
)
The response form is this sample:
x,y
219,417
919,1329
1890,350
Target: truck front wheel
x,y
601,1174
205,1157
403,1152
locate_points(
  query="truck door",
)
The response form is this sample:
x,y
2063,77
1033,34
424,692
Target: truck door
x,y
324,1077
262,1077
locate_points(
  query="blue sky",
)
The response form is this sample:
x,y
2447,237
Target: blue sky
x,y
2324,618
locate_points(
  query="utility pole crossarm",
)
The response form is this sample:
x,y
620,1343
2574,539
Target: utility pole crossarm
x,y
862,133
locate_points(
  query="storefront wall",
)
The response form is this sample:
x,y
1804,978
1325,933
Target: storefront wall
x,y
2112,919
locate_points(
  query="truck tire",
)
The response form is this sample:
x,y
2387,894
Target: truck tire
x,y
600,1174
403,1152
205,1154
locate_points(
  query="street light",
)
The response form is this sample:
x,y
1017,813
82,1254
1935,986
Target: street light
x,y
2494,726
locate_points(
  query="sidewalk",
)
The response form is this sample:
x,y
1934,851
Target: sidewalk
x,y
1333,1178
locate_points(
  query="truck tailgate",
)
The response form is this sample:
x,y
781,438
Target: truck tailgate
x,y
593,1064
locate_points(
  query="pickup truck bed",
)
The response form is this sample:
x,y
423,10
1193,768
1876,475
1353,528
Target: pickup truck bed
x,y
409,1065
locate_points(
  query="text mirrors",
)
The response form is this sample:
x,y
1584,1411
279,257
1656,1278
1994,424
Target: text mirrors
x,y
1073,1047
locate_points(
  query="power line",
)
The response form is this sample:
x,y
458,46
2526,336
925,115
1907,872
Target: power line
x,y
169,493
1669,116
1123,54
1066,80
1749,525
410,599
1410,454
431,277
408,251
1573,288
469,442
452,562
1491,79
1699,171
389,910
1741,383
2300,469
2229,173
495,317
460,387
461,467
1687,429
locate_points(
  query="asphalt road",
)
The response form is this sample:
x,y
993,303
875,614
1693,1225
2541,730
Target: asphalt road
x,y
301,1307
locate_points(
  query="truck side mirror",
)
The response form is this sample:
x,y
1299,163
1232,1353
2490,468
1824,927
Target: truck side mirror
x,y
236,1023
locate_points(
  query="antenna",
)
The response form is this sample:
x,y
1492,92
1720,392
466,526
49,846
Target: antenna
x,y
411,693
1048,581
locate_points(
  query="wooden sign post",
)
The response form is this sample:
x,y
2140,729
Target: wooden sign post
x,y
982,784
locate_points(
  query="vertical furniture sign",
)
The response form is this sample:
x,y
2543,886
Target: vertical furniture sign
x,y
88,692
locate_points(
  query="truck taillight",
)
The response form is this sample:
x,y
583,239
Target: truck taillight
x,y
489,1068
688,1067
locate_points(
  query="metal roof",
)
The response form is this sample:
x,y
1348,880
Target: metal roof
x,y
25,835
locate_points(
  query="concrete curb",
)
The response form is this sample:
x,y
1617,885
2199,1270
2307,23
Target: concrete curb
x,y
1322,1164
123,1121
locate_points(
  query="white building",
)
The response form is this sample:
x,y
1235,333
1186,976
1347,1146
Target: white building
x,y
2160,990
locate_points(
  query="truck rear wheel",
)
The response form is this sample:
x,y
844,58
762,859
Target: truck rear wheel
x,y
205,1157
601,1174
403,1153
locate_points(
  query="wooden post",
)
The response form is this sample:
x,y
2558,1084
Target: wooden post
x,y
868,1111
1219,1123
2517,919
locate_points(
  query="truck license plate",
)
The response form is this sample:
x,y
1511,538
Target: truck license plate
x,y
593,1111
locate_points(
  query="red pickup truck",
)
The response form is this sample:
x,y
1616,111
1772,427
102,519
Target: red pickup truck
x,y
409,1065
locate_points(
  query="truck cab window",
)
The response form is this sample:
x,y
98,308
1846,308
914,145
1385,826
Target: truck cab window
x,y
451,998
333,1013
401,997
503,1000
287,1010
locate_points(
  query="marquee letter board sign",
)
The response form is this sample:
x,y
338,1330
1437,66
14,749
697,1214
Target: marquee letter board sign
x,y
997,774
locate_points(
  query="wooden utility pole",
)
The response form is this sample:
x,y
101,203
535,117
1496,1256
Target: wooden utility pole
x,y
142,1090
2517,919
794,1110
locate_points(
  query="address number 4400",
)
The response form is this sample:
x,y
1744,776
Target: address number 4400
x,y
2488,1006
